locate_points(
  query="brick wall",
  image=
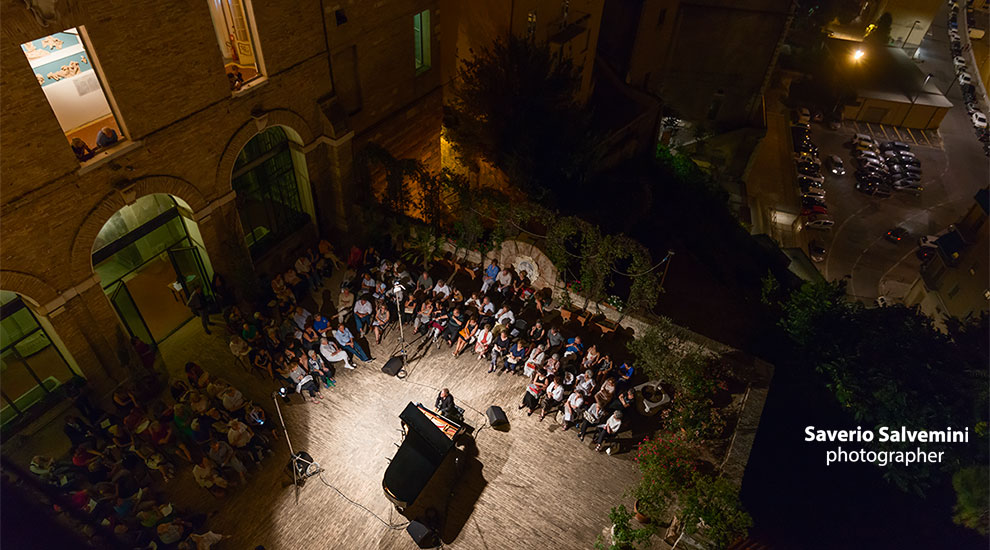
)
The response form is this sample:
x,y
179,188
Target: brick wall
x,y
164,71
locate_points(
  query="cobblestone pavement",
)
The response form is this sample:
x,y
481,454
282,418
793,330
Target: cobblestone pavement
x,y
532,486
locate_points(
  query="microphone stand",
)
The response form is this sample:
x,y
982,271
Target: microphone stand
x,y
398,293
293,459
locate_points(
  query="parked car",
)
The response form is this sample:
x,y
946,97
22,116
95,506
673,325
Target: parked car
x,y
816,251
807,158
896,234
964,78
835,165
862,137
810,171
928,241
882,301
861,154
904,169
865,146
913,188
895,146
881,190
904,180
959,63
807,148
819,221
810,201
834,122
872,166
802,115
811,191
810,180
979,119
814,210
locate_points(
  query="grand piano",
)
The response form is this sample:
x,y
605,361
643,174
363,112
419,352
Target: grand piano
x,y
429,438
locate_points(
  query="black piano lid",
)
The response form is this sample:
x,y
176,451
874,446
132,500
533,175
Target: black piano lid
x,y
426,429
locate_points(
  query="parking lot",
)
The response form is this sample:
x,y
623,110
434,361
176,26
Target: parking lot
x,y
883,132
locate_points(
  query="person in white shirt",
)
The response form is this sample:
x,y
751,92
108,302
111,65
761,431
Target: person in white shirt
x,y
586,382
572,408
300,317
441,292
592,418
332,353
505,313
554,396
304,268
504,280
534,361
608,431
362,315
483,341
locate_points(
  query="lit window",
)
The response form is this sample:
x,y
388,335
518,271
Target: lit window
x,y
235,34
64,68
421,40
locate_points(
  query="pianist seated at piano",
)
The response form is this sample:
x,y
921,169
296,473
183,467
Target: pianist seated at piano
x,y
445,404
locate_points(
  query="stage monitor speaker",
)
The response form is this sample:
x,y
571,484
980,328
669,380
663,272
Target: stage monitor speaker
x,y
393,366
422,535
496,416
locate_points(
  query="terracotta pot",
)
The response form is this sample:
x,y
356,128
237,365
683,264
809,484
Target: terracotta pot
x,y
639,516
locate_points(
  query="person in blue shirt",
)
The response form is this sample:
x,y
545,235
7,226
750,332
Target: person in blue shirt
x,y
574,346
626,372
517,354
489,278
320,324
106,136
344,337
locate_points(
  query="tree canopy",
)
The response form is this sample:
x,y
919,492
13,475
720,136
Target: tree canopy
x,y
891,366
514,106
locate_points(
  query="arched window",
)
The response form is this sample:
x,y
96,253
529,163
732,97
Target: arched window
x,y
268,198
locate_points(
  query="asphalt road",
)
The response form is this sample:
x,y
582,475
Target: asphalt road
x,y
857,249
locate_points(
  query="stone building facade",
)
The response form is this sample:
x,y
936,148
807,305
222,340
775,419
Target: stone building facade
x,y
332,77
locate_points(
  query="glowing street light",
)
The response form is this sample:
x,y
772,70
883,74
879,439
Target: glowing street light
x,y
858,54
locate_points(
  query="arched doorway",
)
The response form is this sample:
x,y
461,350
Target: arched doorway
x,y
274,197
33,363
150,256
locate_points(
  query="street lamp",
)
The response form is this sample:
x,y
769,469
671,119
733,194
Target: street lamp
x,y
916,96
916,22
858,54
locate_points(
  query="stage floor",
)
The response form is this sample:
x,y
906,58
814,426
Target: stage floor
x,y
530,487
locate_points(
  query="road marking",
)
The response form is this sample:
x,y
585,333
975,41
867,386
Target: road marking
x,y
885,273
870,128
912,136
852,270
896,131
835,236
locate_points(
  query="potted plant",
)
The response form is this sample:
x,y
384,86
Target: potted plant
x,y
622,535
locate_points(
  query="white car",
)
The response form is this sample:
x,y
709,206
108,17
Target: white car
x,y
979,119
860,138
928,241
819,221
965,79
861,154
882,301
959,63
803,115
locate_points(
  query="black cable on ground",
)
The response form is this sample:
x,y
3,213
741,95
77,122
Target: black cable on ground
x,y
394,526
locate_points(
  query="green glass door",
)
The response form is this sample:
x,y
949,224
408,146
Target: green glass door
x,y
128,312
189,269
